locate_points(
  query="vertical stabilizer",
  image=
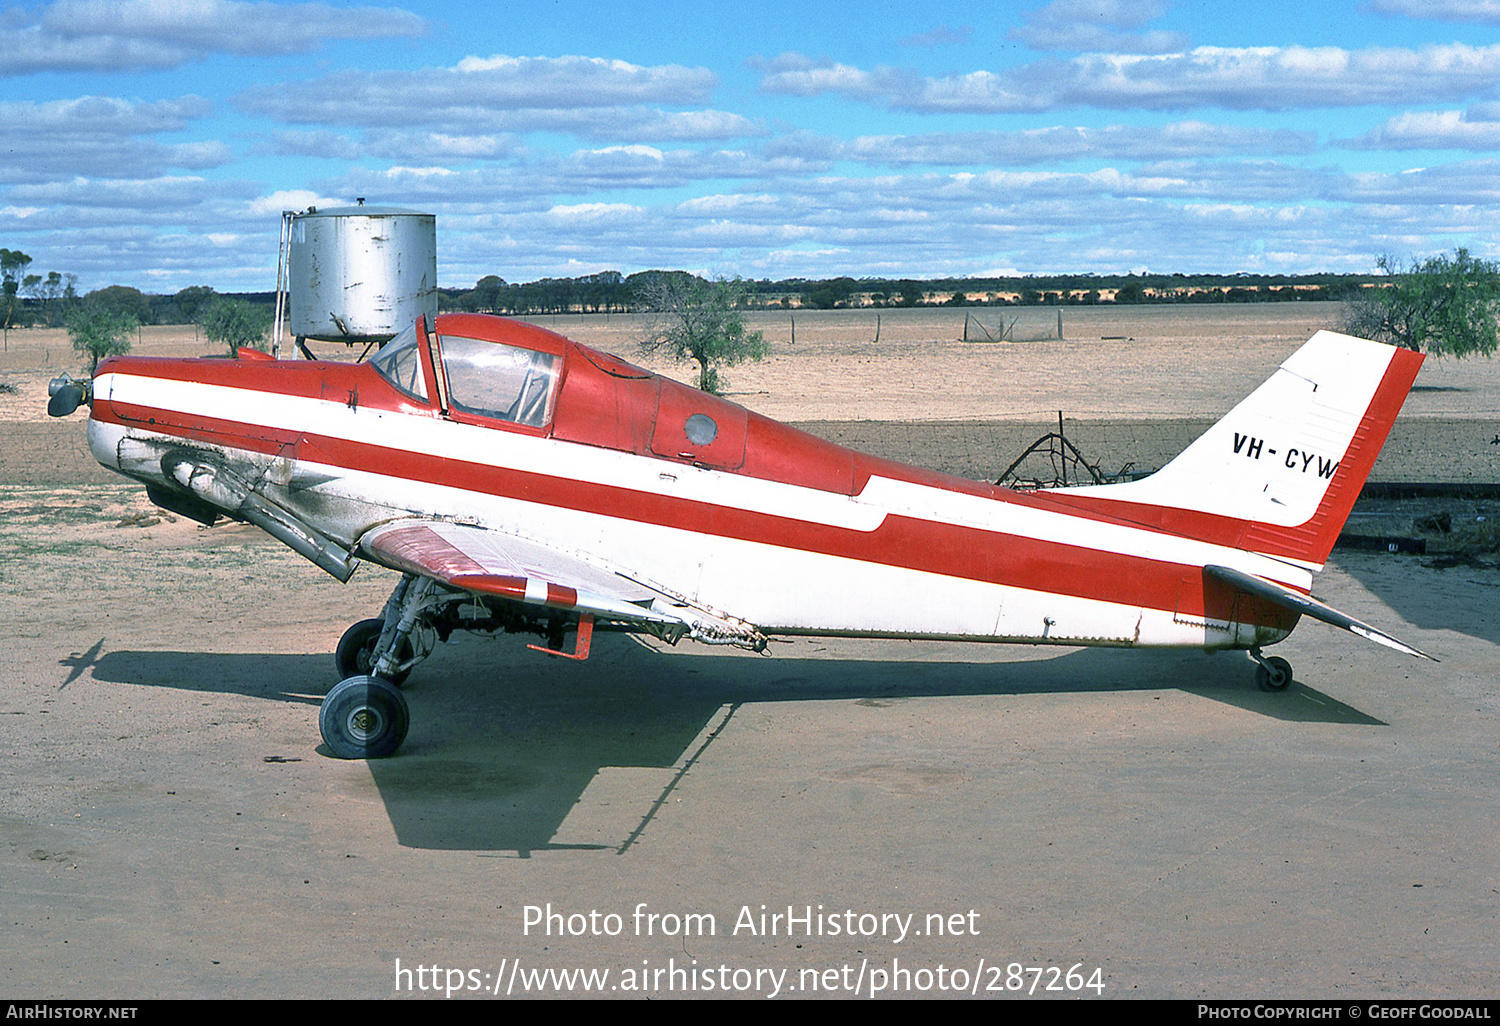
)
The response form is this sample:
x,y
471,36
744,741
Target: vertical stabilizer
x,y
1279,473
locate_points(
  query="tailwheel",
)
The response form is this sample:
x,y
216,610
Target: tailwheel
x,y
1273,673
363,717
356,652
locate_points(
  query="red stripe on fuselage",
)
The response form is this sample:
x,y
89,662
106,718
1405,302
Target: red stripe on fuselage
x,y
907,542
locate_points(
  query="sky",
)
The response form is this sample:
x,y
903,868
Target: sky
x,y
156,143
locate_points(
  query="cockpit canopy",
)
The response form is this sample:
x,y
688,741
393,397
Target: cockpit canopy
x,y
508,376
483,377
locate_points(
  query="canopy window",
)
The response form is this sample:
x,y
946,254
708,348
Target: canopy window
x,y
400,362
496,380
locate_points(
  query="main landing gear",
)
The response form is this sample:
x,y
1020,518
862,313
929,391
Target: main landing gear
x,y
365,716
1272,673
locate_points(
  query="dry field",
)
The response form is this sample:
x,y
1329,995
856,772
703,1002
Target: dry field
x,y
169,828
1134,384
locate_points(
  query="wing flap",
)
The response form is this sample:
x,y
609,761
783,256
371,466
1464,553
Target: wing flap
x,y
484,561
492,562
1295,601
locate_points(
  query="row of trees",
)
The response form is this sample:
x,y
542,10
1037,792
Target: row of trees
x,y
51,299
1444,304
48,294
612,292
185,306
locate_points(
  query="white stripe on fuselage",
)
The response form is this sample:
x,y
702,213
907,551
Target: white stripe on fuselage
x,y
441,439
789,591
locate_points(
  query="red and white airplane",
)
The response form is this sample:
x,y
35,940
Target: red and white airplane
x,y
521,481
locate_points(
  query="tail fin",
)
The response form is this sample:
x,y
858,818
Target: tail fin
x,y
1280,472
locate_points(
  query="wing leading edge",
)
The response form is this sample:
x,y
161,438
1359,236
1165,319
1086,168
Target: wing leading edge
x,y
1295,601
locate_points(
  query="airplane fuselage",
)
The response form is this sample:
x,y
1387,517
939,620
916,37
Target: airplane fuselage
x,y
687,494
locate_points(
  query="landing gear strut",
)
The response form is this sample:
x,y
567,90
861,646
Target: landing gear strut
x,y
355,655
1272,673
365,716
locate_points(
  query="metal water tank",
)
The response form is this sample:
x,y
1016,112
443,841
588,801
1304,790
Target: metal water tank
x,y
360,274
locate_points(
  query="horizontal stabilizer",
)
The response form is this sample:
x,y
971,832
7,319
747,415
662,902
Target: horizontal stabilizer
x,y
1295,601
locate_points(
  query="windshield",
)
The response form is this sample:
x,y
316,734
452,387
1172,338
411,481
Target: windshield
x,y
400,362
497,380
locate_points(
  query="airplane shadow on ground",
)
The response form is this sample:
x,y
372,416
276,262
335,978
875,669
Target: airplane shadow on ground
x,y
1468,593
504,743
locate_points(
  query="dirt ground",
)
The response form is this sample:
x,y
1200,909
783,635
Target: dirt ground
x,y
169,827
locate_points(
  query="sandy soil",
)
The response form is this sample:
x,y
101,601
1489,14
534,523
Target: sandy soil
x,y
169,828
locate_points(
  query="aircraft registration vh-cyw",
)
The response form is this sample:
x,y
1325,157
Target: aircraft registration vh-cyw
x,y
520,481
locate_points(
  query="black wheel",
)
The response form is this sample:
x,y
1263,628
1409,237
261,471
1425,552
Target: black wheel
x,y
1275,674
355,655
363,718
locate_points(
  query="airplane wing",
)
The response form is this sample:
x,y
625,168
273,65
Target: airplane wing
x,y
1295,601
492,562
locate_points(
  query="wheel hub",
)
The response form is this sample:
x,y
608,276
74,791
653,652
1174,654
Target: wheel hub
x,y
365,723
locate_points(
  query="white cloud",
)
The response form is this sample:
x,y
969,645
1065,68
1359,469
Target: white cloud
x,y
314,144
135,35
535,177
1243,78
585,96
650,153
1048,145
101,136
263,208
102,115
722,205
1097,25
1433,130
122,194
1484,12
594,213
1465,183
433,173
442,144
794,74
940,36
477,89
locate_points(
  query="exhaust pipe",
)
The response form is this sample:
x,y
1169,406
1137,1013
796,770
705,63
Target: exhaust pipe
x,y
222,489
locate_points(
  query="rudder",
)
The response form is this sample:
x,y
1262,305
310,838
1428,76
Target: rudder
x,y
1279,473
